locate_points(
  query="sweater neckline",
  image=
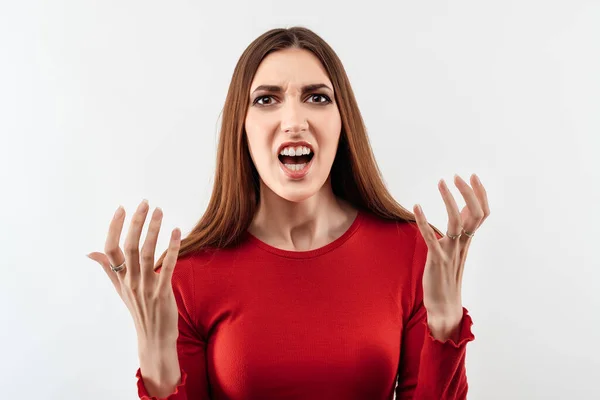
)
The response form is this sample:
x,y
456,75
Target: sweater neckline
x,y
309,253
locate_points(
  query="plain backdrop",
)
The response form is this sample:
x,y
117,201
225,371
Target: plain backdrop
x,y
107,103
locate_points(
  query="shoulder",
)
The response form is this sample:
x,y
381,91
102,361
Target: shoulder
x,y
196,260
192,269
403,230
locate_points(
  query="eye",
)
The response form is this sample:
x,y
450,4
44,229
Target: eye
x,y
312,96
327,99
259,98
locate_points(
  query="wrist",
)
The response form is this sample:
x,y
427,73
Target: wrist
x,y
156,346
445,326
160,366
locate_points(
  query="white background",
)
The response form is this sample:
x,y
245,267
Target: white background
x,y
107,103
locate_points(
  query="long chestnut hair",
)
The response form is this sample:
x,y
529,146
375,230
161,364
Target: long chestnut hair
x,y
355,176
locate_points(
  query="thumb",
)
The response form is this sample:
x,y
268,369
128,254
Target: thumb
x,y
102,259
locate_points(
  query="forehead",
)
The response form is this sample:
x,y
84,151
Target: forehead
x,y
295,66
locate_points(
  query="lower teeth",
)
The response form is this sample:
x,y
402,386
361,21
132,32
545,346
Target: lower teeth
x,y
295,167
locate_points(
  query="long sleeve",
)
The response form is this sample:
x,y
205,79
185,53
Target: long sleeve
x,y
191,346
429,368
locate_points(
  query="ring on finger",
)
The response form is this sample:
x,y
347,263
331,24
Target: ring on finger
x,y
453,236
469,234
118,268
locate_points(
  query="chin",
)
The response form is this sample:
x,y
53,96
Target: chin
x,y
295,192
295,196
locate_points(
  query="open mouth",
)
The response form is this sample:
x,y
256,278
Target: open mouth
x,y
296,163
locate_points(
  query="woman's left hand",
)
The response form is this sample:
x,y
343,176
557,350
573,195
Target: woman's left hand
x,y
442,277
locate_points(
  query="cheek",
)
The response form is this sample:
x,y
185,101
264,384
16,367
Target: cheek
x,y
258,152
259,147
330,125
328,142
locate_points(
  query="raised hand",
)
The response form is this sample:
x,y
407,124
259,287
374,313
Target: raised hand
x,y
442,277
148,295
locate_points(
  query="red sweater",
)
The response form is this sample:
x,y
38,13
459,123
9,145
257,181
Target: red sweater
x,y
344,321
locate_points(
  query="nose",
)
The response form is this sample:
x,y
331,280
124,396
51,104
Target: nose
x,y
296,127
292,122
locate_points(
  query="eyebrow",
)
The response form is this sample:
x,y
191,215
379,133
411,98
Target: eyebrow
x,y
279,89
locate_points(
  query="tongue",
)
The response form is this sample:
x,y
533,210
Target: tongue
x,y
295,159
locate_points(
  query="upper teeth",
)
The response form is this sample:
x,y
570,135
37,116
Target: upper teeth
x,y
295,151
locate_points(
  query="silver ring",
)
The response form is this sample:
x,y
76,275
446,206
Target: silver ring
x,y
453,236
118,268
469,234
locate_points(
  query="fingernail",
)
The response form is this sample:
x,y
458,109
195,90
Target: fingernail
x,y
143,205
477,178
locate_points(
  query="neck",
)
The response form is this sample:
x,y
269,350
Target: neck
x,y
302,225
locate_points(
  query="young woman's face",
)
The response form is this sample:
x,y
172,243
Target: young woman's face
x,y
280,119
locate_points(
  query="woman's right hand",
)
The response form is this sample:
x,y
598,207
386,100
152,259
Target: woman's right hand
x,y
147,294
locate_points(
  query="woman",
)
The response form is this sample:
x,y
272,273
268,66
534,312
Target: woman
x,y
304,279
